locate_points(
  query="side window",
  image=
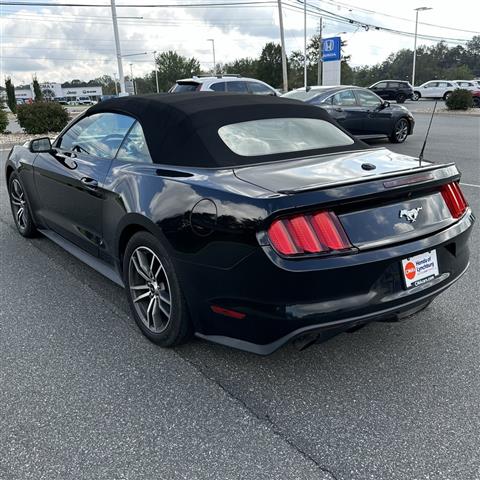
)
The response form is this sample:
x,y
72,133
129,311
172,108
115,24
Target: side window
x,y
345,98
393,85
218,87
317,100
99,135
259,89
380,85
431,85
367,99
134,148
237,86
443,84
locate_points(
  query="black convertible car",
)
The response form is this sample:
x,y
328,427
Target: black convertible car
x,y
246,220
360,111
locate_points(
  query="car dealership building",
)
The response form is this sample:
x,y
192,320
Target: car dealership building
x,y
52,91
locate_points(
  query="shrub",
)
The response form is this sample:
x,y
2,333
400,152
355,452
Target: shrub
x,y
459,100
3,118
42,117
10,90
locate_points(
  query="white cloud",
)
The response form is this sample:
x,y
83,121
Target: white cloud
x,y
61,43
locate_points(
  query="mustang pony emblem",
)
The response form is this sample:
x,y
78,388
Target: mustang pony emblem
x,y
410,215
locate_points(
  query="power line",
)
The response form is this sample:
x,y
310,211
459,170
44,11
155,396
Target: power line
x,y
366,10
169,5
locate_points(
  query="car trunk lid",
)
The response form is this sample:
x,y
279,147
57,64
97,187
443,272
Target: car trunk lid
x,y
323,171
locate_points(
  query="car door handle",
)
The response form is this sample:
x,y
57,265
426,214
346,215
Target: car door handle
x,y
89,183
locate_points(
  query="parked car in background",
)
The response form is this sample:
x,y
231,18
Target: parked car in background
x,y
466,84
434,89
476,98
106,97
223,83
360,111
62,100
84,101
397,90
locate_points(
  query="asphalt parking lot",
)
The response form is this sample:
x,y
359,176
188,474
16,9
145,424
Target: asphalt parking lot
x,y
85,396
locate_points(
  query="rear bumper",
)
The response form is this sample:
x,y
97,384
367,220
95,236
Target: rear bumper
x,y
283,299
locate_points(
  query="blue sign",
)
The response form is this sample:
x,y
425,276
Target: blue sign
x,y
331,49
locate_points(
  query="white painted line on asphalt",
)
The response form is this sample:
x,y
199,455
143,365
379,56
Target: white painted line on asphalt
x,y
470,185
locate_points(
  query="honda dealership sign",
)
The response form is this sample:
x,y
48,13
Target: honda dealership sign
x,y
331,60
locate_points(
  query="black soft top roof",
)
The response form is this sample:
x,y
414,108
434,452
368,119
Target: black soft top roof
x,y
182,129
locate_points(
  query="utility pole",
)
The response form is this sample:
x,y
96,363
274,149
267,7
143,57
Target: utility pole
x,y
305,43
132,79
214,69
156,69
117,46
420,9
284,54
116,86
320,52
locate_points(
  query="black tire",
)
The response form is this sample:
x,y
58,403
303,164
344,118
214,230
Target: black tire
x,y
416,96
166,332
400,131
401,98
476,102
20,209
445,97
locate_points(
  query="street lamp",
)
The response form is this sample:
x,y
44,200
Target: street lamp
x,y
419,9
214,70
156,69
132,80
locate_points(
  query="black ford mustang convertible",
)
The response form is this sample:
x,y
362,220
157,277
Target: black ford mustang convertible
x,y
248,221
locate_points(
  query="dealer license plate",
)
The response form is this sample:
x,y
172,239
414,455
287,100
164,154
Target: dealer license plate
x,y
420,269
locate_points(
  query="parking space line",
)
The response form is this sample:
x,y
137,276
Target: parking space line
x,y
470,185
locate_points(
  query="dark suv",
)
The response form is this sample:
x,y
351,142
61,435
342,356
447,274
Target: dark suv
x,y
393,90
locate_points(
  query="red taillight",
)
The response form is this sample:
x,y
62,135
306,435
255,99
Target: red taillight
x,y
317,233
453,196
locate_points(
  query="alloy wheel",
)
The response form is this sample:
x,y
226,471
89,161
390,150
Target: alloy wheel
x,y
150,289
19,205
401,131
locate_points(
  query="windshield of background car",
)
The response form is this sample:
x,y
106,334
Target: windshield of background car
x,y
185,87
281,135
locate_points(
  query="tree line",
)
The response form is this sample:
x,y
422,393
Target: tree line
x,y
436,61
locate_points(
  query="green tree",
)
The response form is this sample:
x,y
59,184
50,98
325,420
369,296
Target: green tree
x,y
247,67
269,67
172,66
37,90
10,91
3,117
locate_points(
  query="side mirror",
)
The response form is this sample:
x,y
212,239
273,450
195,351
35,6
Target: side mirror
x,y
383,105
40,145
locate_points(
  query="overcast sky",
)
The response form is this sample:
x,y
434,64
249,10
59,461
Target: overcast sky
x,y
62,43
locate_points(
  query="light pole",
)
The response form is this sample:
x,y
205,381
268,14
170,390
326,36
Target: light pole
x,y
305,43
121,77
214,70
419,9
132,80
284,54
155,68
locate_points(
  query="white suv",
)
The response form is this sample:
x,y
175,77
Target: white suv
x,y
223,83
434,89
466,84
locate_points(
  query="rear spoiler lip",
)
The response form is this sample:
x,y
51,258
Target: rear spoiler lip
x,y
398,173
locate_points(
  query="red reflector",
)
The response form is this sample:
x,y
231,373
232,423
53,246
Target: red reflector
x,y
227,312
321,232
453,196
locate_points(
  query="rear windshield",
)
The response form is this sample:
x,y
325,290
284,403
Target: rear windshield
x,y
281,135
185,87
